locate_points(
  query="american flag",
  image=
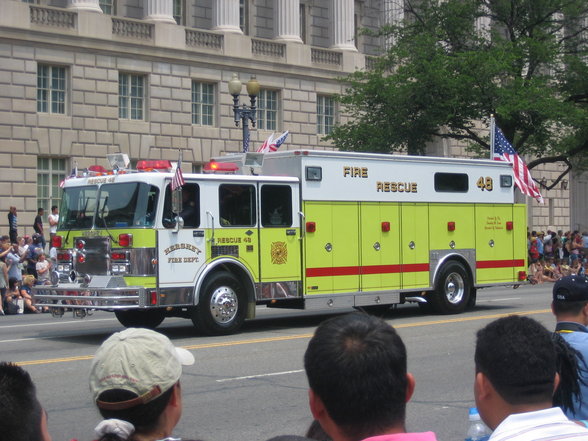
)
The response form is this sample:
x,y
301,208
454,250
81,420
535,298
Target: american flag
x,y
178,179
265,146
73,174
503,151
271,145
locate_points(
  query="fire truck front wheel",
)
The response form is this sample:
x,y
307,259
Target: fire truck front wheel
x,y
453,290
222,306
135,318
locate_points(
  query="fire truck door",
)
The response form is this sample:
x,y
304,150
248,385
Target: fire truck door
x,y
181,252
380,249
414,245
331,249
279,233
494,243
236,225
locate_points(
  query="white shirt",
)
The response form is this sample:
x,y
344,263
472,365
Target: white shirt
x,y
53,217
545,425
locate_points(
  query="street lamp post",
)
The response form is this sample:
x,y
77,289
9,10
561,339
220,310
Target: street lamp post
x,y
244,113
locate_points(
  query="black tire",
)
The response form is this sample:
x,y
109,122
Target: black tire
x,y
473,296
136,318
222,305
453,290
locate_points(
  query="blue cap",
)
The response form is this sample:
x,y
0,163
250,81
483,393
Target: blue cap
x,y
571,289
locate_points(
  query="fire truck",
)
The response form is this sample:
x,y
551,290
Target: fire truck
x,y
302,229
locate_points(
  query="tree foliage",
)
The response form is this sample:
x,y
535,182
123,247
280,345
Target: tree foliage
x,y
445,73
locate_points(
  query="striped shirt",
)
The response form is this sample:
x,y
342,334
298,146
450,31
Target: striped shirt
x,y
542,425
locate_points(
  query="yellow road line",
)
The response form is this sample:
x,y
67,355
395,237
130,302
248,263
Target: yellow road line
x,y
294,337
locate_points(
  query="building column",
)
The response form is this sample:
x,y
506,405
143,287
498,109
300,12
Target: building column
x,y
287,20
225,16
342,18
159,11
84,5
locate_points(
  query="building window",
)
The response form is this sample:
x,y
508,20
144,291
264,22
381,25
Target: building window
x,y
51,89
131,96
244,16
202,103
303,32
107,6
179,12
50,173
267,113
325,114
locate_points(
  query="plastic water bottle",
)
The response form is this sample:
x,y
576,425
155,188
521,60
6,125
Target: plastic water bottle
x,y
477,431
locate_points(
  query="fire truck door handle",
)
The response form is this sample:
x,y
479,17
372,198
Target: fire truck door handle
x,y
329,247
208,213
411,245
302,224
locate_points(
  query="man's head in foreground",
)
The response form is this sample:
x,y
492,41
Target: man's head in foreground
x,y
22,418
356,369
570,299
516,368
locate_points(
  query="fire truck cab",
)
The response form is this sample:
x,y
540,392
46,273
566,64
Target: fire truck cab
x,y
291,229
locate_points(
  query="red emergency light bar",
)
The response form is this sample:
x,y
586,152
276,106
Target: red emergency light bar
x,y
223,167
97,170
155,164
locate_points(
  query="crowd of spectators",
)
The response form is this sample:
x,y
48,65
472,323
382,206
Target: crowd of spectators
x,y
556,254
23,263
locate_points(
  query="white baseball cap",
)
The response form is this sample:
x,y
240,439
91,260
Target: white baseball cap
x,y
140,361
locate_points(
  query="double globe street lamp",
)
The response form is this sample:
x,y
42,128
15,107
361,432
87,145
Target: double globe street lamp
x,y
243,112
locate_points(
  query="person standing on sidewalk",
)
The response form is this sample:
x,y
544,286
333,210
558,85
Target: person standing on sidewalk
x,y
12,224
38,226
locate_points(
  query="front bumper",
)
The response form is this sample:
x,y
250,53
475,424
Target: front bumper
x,y
78,296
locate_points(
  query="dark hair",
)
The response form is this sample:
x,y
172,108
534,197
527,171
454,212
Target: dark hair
x,y
316,432
565,307
21,410
356,364
569,360
12,283
144,417
518,356
53,207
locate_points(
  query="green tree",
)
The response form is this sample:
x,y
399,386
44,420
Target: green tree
x,y
445,73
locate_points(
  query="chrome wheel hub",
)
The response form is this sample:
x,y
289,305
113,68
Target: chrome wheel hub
x,y
454,288
224,305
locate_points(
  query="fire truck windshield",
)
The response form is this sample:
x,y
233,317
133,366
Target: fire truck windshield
x,y
118,205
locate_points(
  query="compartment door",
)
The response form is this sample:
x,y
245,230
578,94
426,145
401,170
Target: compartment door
x,y
494,243
414,245
380,247
332,250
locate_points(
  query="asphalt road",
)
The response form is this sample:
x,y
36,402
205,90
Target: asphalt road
x,y
251,386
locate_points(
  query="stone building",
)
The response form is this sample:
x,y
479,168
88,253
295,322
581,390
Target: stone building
x,y
83,78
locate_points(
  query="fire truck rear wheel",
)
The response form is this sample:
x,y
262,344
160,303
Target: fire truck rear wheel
x,y
453,291
135,318
222,306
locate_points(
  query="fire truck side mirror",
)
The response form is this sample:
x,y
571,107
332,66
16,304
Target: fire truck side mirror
x,y
177,200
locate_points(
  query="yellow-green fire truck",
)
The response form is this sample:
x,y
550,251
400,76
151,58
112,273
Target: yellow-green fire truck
x,y
291,229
